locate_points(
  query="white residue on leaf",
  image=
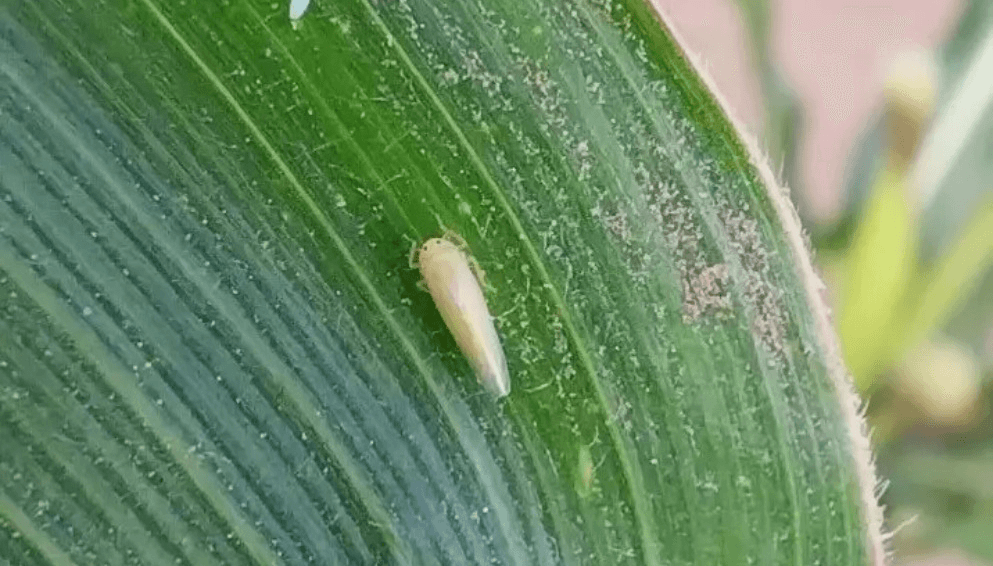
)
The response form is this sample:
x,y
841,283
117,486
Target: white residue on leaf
x,y
297,8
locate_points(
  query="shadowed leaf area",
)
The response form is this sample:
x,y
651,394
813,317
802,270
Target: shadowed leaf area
x,y
213,349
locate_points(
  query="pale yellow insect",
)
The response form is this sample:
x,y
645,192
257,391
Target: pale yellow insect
x,y
453,278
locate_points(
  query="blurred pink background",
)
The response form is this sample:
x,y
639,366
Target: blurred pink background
x,y
834,54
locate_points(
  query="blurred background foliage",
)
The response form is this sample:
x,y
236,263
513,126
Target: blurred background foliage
x,y
908,271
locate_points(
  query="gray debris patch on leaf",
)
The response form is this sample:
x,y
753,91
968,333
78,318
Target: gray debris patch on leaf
x,y
706,293
761,294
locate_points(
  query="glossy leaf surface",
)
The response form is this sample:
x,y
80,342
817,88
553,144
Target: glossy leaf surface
x,y
213,350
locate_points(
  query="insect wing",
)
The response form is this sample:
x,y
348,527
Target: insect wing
x,y
459,298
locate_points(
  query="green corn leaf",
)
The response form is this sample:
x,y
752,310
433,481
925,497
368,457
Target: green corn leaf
x,y
213,349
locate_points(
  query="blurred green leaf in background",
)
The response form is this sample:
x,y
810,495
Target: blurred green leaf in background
x,y
213,350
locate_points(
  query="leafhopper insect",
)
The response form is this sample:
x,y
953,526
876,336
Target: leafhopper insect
x,y
454,280
297,8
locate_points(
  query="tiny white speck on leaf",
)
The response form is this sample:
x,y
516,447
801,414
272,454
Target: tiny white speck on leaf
x,y
297,8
